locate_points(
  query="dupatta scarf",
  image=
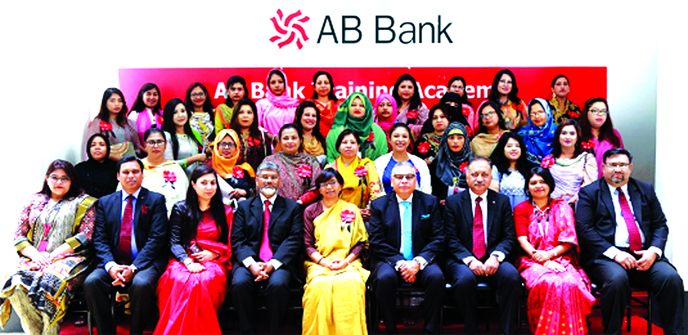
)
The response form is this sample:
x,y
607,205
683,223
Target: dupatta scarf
x,y
539,139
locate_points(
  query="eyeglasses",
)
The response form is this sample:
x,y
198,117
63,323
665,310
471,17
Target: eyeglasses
x,y
56,179
538,113
409,176
157,143
487,115
614,166
197,95
599,112
332,183
224,145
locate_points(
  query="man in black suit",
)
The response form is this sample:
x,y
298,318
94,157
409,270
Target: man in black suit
x,y
130,239
268,258
405,239
622,232
479,227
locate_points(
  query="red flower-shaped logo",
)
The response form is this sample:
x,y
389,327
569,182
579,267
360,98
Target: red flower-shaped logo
x,y
412,115
253,141
238,172
588,144
547,162
371,137
348,216
289,29
361,171
144,209
463,167
105,126
304,171
423,147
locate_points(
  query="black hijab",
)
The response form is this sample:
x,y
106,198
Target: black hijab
x,y
98,179
455,112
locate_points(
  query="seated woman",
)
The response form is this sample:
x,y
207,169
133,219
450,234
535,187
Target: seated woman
x,y
98,174
224,161
449,168
113,123
236,90
505,93
53,241
192,289
197,102
400,139
539,134
457,85
431,134
412,111
277,108
509,166
146,112
297,169
356,113
491,128
361,182
334,236
571,167
564,109
325,100
385,111
162,175
597,130
255,143
183,147
308,123
559,298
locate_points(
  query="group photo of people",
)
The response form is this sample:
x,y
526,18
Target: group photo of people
x,y
187,208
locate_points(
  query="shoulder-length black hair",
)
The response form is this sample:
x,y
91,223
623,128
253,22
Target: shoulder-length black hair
x,y
408,129
234,123
230,82
464,97
316,131
207,105
427,126
74,187
502,162
169,126
556,145
513,95
140,106
104,113
343,134
500,117
331,95
217,208
107,146
415,98
298,132
542,172
606,130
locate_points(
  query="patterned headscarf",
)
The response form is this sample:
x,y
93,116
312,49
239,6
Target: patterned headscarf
x,y
539,139
387,123
449,163
223,166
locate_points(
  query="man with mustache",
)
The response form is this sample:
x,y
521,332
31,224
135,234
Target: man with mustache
x,y
267,236
480,233
622,232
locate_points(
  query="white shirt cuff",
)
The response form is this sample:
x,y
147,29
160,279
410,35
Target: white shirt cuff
x,y
275,263
468,260
500,255
423,263
611,252
656,250
248,261
398,265
109,266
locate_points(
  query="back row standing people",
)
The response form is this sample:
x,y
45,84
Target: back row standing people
x,y
412,111
112,122
146,112
277,108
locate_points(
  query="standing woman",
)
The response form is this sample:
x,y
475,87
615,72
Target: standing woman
x,y
559,299
453,103
597,130
412,111
147,109
356,113
385,111
400,139
334,236
449,168
193,287
431,134
458,85
571,167
98,174
505,92
509,168
53,240
491,128
324,98
113,123
297,169
563,108
182,146
277,108
236,90
308,123
539,134
255,144
198,103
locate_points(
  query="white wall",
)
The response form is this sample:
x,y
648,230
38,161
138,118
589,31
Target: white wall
x,y
58,57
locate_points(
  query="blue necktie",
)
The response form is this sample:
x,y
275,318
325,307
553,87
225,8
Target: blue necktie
x,y
406,231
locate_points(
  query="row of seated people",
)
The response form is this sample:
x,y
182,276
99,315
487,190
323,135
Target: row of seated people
x,y
618,236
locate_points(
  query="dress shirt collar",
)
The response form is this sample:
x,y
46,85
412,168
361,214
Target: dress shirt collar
x,y
399,199
272,198
475,196
125,195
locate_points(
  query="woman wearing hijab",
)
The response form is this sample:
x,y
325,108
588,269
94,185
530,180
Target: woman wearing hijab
x,y
539,133
457,111
451,162
240,177
385,111
277,108
98,174
356,113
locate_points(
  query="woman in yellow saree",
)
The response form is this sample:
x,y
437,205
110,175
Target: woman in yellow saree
x,y
334,235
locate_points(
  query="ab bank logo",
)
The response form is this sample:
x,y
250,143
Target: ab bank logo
x,y
289,29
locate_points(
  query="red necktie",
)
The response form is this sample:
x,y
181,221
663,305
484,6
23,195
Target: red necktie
x,y
634,241
265,250
478,231
124,248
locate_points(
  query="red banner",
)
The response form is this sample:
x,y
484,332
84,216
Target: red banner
x,y
533,82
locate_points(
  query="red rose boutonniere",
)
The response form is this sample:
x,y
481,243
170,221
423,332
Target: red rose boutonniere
x,y
547,162
371,137
588,144
144,209
423,147
105,126
238,172
361,171
347,217
412,115
169,177
574,114
463,167
159,119
253,142
304,171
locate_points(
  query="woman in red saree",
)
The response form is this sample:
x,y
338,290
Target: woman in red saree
x,y
559,298
192,289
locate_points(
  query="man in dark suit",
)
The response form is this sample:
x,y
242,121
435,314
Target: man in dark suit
x,y
265,258
479,227
130,239
622,232
405,239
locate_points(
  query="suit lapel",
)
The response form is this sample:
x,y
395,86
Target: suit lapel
x,y
606,197
117,228
257,211
491,212
467,210
415,215
277,210
137,210
394,218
